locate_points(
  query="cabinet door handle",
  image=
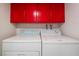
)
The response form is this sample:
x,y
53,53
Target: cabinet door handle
x,y
35,15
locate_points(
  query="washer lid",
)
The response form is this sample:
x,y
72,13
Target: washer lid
x,y
58,39
23,39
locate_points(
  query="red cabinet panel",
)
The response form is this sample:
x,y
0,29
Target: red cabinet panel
x,y
37,13
17,13
30,10
57,13
52,13
43,13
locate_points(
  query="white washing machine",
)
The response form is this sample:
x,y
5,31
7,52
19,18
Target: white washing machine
x,y
55,44
26,43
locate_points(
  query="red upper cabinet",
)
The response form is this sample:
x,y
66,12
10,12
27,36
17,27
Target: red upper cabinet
x,y
37,13
30,13
57,13
43,13
17,13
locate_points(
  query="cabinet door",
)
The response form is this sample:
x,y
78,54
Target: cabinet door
x,y
30,12
43,13
57,13
17,13
52,13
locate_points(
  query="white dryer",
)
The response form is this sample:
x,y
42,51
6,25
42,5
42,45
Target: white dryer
x,y
55,44
26,43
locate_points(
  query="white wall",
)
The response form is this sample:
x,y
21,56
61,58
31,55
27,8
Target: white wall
x,y
6,28
71,26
